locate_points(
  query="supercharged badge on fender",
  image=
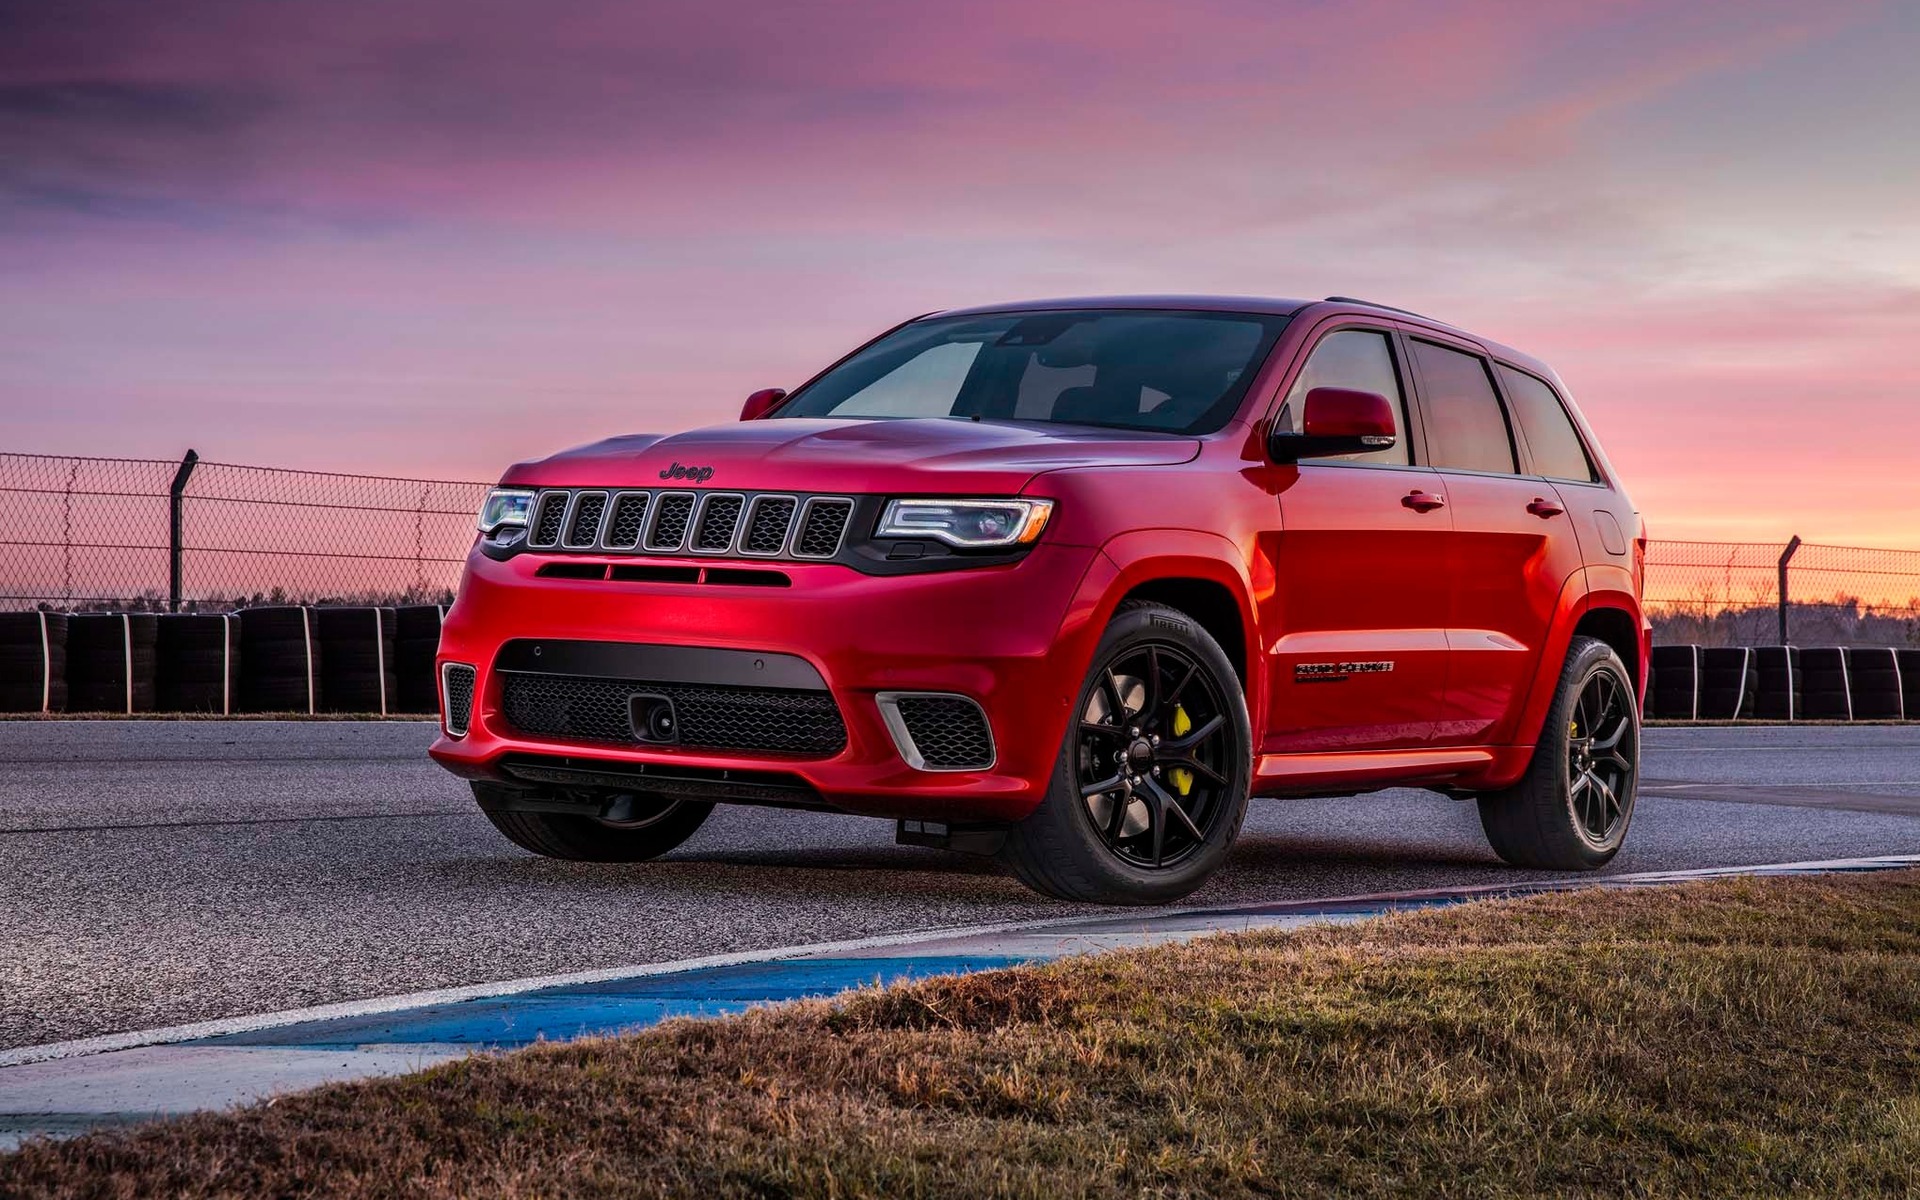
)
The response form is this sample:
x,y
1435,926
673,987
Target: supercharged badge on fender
x,y
1338,672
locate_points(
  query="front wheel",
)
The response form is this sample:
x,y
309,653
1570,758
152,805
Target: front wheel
x,y
1571,809
1151,784
647,827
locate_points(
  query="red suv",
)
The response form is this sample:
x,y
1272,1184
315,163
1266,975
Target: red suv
x,y
1067,582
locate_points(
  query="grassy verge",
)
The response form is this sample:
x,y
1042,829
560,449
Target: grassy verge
x,y
1738,1037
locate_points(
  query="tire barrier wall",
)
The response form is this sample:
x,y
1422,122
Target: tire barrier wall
x,y
1873,684
280,660
283,659
1778,697
33,662
1824,692
416,641
1729,683
1673,689
111,661
199,663
357,672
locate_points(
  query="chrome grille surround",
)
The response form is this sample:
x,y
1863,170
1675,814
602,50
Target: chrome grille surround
x,y
626,520
584,515
768,521
713,529
764,525
672,521
822,527
549,518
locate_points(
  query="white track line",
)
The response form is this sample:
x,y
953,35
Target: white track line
x,y
482,991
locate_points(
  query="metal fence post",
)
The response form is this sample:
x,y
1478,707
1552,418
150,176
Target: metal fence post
x,y
1786,556
176,495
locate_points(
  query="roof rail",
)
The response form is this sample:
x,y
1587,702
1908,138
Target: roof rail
x,y
1376,304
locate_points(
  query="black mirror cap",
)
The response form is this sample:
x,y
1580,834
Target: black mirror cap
x,y
1284,448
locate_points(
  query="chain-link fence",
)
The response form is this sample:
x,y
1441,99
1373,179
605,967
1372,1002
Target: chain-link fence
x,y
94,533
1755,594
158,535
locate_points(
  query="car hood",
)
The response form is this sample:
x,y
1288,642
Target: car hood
x,y
873,456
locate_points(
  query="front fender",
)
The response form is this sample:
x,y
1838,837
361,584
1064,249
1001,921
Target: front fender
x,y
1130,560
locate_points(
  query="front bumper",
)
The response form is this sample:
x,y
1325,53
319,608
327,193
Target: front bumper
x,y
1016,639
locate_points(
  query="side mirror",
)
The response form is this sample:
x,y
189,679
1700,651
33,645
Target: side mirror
x,y
761,403
1336,421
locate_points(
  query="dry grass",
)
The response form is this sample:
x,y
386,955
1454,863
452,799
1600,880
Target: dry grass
x,y
1743,1037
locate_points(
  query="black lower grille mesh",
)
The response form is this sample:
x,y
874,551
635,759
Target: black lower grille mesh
x,y
949,731
581,708
459,686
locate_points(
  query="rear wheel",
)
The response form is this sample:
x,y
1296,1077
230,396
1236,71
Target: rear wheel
x,y
1151,784
1571,810
642,827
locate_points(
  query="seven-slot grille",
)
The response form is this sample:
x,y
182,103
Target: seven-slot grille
x,y
757,524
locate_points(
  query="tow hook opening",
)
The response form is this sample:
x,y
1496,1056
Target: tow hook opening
x,y
653,719
944,835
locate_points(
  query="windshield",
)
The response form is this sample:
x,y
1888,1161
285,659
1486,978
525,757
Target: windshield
x,y
1181,372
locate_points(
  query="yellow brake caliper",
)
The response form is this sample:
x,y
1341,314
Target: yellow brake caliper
x,y
1180,777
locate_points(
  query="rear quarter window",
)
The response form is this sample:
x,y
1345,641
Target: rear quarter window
x,y
1554,443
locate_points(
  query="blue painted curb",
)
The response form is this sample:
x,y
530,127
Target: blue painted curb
x,y
563,1013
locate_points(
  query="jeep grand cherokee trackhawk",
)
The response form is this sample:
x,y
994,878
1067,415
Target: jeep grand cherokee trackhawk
x,y
1068,582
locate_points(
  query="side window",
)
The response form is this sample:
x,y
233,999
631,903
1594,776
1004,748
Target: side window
x,y
1466,430
1551,438
1360,359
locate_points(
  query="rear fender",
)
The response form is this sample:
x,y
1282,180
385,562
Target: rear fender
x,y
1577,599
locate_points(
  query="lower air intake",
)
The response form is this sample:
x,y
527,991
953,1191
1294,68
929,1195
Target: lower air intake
x,y
937,732
763,720
456,682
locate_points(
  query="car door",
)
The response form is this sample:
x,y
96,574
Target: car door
x,y
1513,546
1357,621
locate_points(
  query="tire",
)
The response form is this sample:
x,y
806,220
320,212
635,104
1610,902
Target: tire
x,y
1099,847
415,622
416,682
578,838
1540,822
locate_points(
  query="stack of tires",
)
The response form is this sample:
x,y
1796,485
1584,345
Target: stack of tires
x,y
199,663
110,662
280,660
1729,680
1873,684
1778,697
357,655
416,642
1824,692
1909,662
33,662
1673,690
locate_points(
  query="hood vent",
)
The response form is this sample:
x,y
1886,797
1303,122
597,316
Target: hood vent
x,y
729,524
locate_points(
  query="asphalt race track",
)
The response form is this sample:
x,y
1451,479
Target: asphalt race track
x,y
153,873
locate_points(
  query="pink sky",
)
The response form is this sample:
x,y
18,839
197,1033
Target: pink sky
x,y
432,236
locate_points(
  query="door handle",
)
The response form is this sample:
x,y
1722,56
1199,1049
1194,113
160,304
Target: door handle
x,y
1421,502
1544,508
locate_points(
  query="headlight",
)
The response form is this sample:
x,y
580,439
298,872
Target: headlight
x,y
968,524
505,506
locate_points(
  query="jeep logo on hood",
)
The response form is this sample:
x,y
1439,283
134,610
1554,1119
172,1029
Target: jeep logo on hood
x,y
696,474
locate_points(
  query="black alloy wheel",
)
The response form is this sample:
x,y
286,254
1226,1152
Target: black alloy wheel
x,y
1154,769
1602,745
1152,755
1571,809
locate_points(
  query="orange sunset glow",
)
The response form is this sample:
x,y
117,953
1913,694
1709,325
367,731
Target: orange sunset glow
x,y
428,239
